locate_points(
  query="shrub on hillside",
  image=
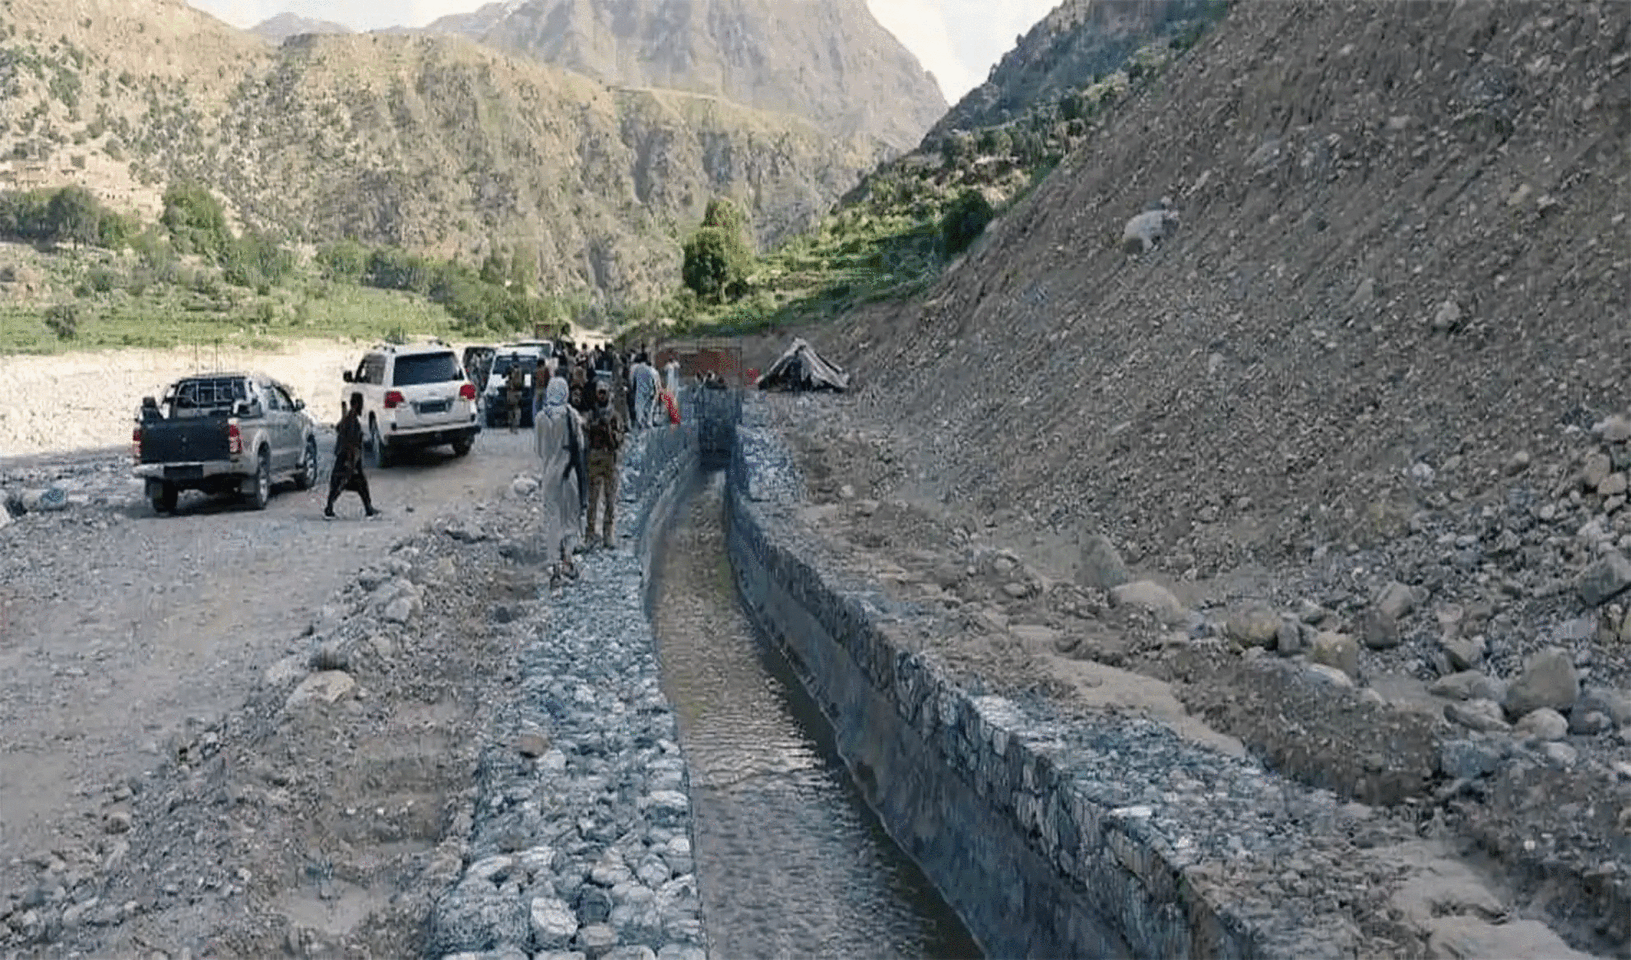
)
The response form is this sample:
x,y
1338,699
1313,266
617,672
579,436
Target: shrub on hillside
x,y
103,279
69,214
196,220
256,260
965,220
392,268
343,260
62,319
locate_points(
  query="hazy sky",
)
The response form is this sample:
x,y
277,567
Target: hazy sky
x,y
958,40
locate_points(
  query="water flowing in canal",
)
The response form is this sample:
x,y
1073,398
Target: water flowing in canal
x,y
791,861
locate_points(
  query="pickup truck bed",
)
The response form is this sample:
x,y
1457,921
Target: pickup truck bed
x,y
223,433
185,439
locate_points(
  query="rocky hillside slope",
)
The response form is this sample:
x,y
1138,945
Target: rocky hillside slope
x,y
1067,50
829,61
428,141
1395,268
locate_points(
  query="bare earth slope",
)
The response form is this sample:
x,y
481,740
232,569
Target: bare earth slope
x,y
829,61
1403,240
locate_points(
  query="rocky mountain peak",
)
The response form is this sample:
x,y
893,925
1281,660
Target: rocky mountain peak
x,y
829,61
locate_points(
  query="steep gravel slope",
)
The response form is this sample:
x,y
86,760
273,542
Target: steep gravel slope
x,y
1402,240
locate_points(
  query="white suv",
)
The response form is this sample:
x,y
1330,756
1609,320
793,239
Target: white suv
x,y
413,395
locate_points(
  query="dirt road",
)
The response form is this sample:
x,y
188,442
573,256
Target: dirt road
x,y
124,634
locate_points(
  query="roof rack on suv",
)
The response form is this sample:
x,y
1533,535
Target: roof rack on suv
x,y
427,340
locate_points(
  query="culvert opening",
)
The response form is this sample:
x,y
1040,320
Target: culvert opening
x,y
790,859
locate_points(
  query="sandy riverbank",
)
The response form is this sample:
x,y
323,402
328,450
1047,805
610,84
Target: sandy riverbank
x,y
79,401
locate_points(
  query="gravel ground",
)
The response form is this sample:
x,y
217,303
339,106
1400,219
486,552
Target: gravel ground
x,y
1279,658
249,733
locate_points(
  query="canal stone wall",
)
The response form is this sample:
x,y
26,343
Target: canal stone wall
x,y
1090,836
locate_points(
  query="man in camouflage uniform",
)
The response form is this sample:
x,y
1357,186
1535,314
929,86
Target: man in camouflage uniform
x,y
605,433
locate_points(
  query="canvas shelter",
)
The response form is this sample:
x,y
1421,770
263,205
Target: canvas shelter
x,y
801,368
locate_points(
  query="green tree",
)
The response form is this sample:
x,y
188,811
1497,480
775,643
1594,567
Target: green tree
x,y
24,214
74,216
717,256
709,269
964,220
196,220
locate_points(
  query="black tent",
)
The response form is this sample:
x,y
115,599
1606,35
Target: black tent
x,y
801,368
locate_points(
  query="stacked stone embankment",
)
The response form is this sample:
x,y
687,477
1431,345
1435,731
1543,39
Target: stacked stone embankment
x,y
1162,845
580,843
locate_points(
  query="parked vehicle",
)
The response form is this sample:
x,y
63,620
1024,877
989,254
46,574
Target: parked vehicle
x,y
530,356
413,395
223,433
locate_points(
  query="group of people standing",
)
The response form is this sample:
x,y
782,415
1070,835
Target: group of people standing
x,y
579,433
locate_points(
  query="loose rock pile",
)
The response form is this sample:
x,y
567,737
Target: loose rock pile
x,y
447,734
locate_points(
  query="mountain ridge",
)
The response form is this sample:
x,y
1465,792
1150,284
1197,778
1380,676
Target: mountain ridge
x,y
285,25
433,142
828,61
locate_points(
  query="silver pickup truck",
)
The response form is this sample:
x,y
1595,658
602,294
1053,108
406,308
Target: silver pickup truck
x,y
223,433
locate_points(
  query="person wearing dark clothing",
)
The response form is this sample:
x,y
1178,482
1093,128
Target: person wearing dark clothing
x,y
348,473
605,433
514,384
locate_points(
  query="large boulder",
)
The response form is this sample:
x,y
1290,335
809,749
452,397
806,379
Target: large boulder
x,y
1396,600
1543,724
1548,680
1482,715
1146,230
1605,579
1253,626
1468,685
1614,704
1151,597
1379,628
1101,566
1336,650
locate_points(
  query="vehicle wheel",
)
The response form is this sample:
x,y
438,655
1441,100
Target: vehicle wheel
x,y
462,446
306,477
165,500
379,458
262,494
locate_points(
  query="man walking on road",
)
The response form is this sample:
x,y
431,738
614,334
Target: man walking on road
x,y
605,439
348,473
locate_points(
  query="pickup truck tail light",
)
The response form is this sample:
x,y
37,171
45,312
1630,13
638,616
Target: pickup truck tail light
x,y
393,399
136,444
467,391
235,440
